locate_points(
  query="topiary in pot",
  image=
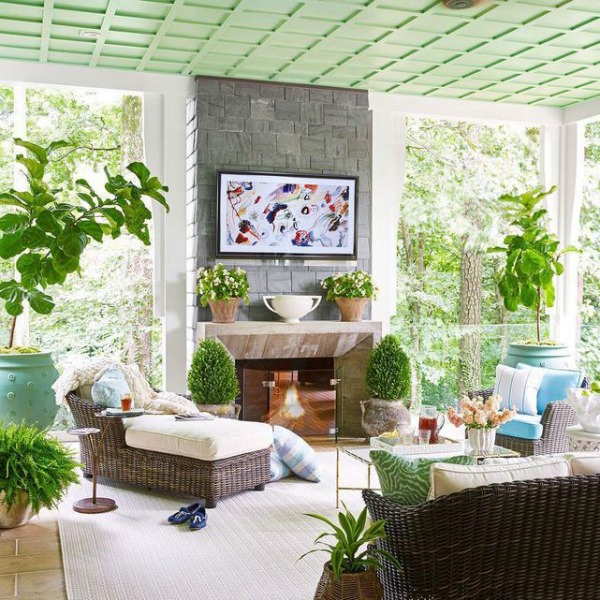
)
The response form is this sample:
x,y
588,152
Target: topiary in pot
x,y
34,474
44,231
389,379
212,380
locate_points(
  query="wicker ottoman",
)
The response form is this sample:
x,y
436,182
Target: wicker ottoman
x,y
209,479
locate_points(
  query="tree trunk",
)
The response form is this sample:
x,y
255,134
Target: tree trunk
x,y
503,321
414,258
471,277
139,265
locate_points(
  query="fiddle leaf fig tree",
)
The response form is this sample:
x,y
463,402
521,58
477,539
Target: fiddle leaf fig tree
x,y
533,257
46,232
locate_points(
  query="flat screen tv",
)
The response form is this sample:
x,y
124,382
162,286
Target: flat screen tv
x,y
283,215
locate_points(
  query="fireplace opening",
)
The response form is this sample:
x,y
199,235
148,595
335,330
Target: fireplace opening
x,y
299,394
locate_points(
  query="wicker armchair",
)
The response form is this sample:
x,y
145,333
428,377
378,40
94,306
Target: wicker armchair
x,y
556,418
525,540
210,480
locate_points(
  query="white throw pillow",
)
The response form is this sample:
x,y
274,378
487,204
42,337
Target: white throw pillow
x,y
447,478
518,388
584,463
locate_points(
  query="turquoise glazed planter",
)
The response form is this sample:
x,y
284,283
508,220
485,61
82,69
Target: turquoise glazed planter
x,y
26,392
549,357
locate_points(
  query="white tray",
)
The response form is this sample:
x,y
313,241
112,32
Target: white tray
x,y
444,447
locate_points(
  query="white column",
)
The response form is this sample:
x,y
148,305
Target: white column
x,y
165,139
389,148
562,165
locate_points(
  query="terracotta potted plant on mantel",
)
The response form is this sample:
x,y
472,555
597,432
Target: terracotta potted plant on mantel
x,y
222,289
351,291
389,380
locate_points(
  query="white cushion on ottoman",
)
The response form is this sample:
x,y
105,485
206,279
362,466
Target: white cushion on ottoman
x,y
204,440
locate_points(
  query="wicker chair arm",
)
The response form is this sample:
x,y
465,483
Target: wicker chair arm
x,y
485,394
556,418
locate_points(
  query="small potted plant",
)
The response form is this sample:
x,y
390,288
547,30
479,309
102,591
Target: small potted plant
x,y
481,418
44,232
222,289
35,472
212,380
533,260
389,379
586,404
351,292
350,573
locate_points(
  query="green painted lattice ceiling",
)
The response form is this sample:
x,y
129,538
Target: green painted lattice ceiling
x,y
540,52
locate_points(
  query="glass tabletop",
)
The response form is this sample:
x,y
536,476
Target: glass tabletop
x,y
361,453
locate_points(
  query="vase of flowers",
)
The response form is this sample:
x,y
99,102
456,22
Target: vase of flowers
x,y
222,289
351,292
481,418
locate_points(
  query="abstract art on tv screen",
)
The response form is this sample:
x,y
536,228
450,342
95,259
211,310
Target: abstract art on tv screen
x,y
284,215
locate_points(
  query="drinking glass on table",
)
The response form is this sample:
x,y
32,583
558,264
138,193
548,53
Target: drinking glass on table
x,y
126,402
406,434
424,436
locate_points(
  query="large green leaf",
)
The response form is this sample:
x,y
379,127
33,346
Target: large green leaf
x,y
532,262
38,151
46,221
141,171
34,167
528,296
13,221
40,302
91,228
29,263
11,244
72,241
34,237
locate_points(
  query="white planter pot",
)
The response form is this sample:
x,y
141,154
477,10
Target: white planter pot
x,y
482,440
586,405
292,308
19,513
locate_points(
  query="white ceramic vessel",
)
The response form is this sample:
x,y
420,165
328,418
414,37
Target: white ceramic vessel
x,y
291,308
586,405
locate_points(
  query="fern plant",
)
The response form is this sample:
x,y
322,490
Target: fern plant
x,y
388,370
34,464
212,378
348,554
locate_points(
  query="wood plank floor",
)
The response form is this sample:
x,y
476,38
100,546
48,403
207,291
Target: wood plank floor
x,y
31,562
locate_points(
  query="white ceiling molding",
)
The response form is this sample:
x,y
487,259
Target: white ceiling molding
x,y
469,110
89,77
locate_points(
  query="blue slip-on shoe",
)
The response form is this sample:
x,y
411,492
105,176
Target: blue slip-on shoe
x,y
198,519
184,514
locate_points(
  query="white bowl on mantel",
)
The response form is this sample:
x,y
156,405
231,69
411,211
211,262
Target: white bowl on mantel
x,y
291,308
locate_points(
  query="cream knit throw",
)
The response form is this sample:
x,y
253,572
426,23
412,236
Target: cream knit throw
x,y
143,395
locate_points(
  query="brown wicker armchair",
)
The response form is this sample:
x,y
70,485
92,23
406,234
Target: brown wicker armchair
x,y
556,418
210,480
525,540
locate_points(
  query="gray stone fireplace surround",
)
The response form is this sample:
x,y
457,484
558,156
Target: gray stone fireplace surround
x,y
255,126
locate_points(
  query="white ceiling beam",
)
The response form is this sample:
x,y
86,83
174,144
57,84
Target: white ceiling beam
x,y
589,110
469,110
12,71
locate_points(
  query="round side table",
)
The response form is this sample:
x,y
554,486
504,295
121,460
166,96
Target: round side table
x,y
582,441
97,504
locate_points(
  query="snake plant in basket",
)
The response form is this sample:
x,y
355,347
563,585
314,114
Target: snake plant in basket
x,y
350,572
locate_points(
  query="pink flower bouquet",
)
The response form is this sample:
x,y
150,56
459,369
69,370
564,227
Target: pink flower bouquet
x,y
480,414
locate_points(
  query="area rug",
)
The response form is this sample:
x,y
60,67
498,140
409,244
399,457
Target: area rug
x,y
249,551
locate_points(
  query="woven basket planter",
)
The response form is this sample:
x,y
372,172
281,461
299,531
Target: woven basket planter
x,y
224,311
350,586
351,309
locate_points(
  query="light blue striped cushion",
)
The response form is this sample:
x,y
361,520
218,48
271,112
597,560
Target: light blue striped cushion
x,y
278,469
296,454
518,388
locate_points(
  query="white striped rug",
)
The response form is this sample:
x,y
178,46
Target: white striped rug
x,y
248,551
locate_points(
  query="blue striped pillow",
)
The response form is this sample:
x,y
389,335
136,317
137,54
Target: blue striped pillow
x,y
278,469
296,454
518,388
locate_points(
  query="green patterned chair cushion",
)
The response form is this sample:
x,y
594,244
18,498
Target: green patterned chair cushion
x,y
406,480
